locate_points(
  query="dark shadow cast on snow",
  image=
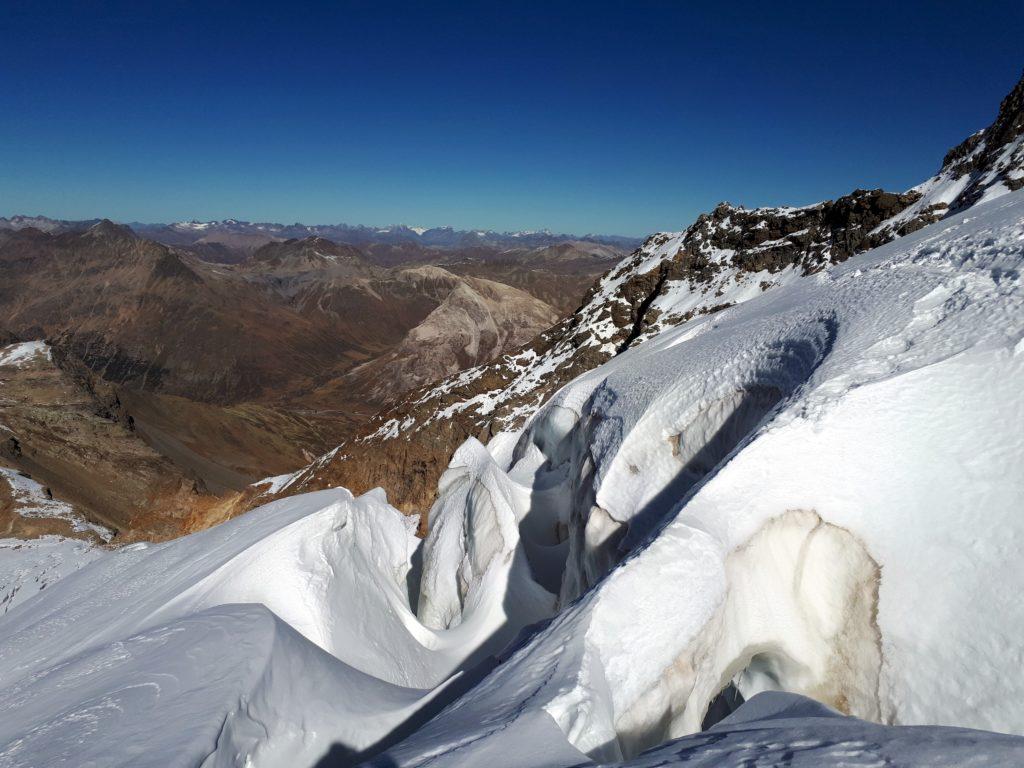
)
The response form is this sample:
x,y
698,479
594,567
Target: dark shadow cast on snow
x,y
787,368
470,673
342,756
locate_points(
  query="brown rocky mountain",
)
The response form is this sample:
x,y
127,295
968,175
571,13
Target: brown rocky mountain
x,y
225,373
726,256
423,322
475,319
67,460
143,315
194,349
559,274
335,286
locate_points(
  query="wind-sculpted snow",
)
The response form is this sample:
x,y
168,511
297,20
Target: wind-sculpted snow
x,y
232,685
816,491
471,554
246,642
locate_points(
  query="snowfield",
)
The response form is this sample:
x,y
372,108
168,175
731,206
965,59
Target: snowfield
x,y
814,495
23,352
29,566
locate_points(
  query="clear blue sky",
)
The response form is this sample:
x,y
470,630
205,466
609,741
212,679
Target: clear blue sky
x,y
603,117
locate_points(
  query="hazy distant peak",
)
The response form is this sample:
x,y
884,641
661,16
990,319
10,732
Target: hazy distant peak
x,y
108,229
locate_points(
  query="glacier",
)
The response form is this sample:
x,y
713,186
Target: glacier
x,y
809,500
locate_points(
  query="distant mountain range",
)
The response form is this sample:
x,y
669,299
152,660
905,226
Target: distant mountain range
x,y
251,235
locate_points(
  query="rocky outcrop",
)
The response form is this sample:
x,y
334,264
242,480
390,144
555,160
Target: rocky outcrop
x,y
985,165
994,156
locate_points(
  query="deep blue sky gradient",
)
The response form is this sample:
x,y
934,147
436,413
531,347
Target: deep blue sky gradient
x,y
582,117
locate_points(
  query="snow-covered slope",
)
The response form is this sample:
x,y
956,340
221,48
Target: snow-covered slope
x,y
805,492
268,637
153,635
23,352
29,566
30,499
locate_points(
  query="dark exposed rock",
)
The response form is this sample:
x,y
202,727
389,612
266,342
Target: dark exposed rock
x,y
103,357
10,448
170,267
982,155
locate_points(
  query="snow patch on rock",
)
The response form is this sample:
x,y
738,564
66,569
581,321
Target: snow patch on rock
x,y
24,352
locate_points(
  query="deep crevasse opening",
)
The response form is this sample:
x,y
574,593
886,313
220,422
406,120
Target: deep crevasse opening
x,y
560,539
713,417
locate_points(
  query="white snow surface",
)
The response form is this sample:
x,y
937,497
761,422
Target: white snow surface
x,y
271,636
816,491
275,484
29,566
23,352
32,500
